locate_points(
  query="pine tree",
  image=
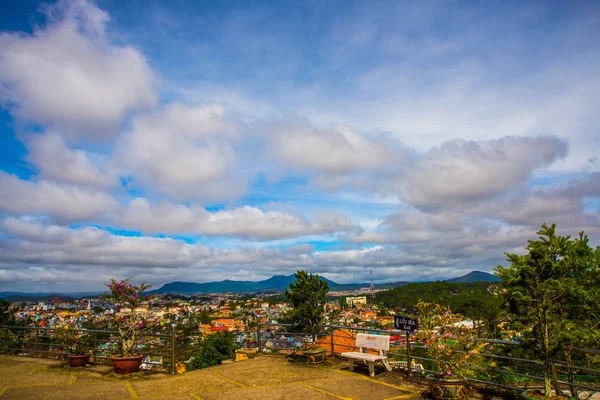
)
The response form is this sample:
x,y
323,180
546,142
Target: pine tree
x,y
549,294
307,295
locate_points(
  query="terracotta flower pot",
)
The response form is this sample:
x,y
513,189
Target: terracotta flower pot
x,y
78,360
127,365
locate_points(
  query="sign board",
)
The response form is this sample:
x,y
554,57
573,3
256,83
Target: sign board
x,y
373,341
405,323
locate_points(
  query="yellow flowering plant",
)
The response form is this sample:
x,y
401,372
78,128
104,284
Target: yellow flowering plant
x,y
449,345
74,341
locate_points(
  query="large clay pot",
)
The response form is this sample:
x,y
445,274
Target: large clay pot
x,y
447,388
127,365
78,360
315,356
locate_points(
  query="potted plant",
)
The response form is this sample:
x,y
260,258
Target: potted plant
x,y
315,354
450,346
129,324
76,343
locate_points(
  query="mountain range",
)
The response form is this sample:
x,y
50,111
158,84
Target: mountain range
x,y
279,282
273,284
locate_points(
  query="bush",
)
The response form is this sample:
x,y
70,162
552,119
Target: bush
x,y
224,343
215,349
8,340
209,356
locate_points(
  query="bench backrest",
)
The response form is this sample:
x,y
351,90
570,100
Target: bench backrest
x,y
381,342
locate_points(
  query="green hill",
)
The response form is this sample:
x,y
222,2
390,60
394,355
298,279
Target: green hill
x,y
441,292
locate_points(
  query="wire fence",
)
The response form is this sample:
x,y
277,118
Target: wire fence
x,y
494,365
38,341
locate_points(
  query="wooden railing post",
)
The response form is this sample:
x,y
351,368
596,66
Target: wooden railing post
x,y
408,359
332,342
173,344
95,350
555,379
35,342
258,337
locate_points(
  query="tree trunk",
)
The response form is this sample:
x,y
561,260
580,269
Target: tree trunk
x,y
547,363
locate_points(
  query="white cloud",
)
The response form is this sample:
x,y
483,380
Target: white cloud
x,y
33,243
340,150
61,201
250,222
183,152
463,171
68,75
57,162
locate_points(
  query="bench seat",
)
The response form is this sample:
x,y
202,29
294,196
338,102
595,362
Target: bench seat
x,y
378,342
363,356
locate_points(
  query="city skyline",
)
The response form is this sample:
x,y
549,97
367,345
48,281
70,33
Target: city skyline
x,y
176,141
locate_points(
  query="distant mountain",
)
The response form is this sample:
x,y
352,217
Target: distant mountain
x,y
274,284
475,276
35,296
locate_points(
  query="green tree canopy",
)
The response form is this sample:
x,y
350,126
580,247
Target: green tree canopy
x,y
307,295
552,293
6,313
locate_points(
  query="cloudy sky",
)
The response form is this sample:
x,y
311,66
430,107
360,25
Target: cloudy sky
x,y
199,141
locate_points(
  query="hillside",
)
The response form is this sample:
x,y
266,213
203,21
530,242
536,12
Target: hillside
x,y
441,292
475,276
275,283
280,282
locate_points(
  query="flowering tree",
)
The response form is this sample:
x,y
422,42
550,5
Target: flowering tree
x,y
450,346
129,326
74,340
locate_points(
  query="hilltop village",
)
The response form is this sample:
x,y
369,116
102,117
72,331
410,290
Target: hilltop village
x,y
204,315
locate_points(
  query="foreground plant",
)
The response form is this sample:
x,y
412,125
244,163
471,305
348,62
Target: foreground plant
x,y
553,294
75,341
129,326
450,345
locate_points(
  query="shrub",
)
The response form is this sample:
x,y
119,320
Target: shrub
x,y
215,349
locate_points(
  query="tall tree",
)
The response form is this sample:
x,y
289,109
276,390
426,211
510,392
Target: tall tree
x,y
307,296
6,313
544,289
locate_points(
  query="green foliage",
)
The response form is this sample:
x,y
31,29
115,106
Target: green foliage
x,y
486,310
451,347
208,356
307,296
443,293
216,348
6,314
552,293
8,339
224,343
74,341
129,326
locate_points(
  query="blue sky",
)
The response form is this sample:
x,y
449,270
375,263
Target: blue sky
x,y
237,140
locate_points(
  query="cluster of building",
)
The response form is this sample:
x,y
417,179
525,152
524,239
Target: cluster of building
x,y
235,313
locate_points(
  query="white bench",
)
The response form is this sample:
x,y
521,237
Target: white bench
x,y
363,342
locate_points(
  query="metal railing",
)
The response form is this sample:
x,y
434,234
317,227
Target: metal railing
x,y
41,341
496,367
514,373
